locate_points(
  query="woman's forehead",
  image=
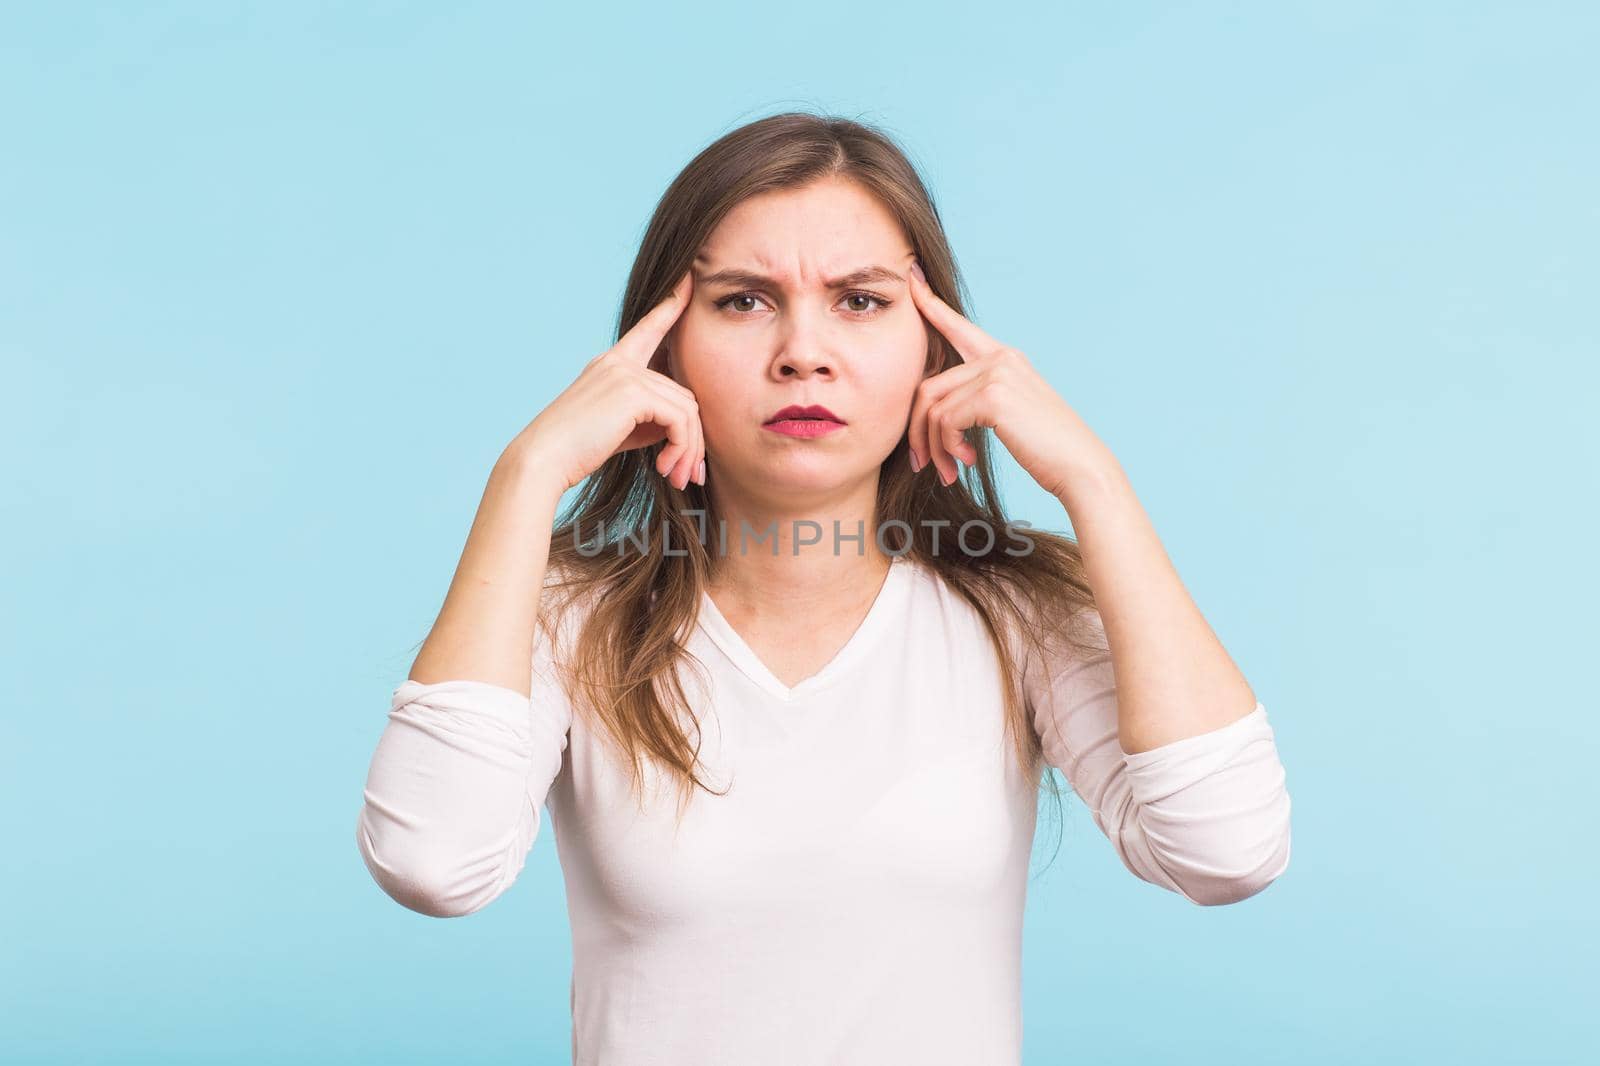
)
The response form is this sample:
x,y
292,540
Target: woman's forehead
x,y
820,231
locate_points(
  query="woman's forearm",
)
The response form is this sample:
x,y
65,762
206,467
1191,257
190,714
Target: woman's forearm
x,y
1174,677
485,629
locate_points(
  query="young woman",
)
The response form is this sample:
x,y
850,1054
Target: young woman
x,y
795,680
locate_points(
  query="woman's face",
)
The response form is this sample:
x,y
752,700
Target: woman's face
x,y
776,318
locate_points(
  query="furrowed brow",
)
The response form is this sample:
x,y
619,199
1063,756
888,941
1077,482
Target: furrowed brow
x,y
755,280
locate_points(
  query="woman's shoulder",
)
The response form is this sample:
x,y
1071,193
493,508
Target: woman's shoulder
x,y
1046,623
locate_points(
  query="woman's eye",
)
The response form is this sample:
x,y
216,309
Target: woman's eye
x,y
882,303
741,303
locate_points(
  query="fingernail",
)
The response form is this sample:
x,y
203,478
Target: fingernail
x,y
916,268
700,471
916,460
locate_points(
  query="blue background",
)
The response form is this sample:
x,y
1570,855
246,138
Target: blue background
x,y
278,282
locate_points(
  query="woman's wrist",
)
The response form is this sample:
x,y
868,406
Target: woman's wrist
x,y
523,464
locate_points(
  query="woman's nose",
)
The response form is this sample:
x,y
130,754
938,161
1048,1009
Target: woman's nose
x,y
792,363
804,349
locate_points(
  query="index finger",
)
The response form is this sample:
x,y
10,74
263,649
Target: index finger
x,y
641,342
968,339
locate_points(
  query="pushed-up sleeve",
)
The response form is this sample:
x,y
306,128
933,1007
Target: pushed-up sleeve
x,y
1206,816
452,801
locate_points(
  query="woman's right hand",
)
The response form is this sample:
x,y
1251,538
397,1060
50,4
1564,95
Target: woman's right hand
x,y
619,403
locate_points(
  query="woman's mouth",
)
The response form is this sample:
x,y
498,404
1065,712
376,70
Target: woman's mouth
x,y
813,420
803,427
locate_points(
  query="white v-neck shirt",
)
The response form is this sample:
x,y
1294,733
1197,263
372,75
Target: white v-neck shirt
x,y
857,894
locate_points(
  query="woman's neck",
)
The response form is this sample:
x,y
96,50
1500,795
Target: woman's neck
x,y
797,554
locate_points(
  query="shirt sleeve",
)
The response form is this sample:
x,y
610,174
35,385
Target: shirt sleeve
x,y
452,801
1206,816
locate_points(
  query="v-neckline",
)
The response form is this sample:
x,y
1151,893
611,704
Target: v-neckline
x,y
722,633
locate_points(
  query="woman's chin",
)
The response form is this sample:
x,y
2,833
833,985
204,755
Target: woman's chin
x,y
804,475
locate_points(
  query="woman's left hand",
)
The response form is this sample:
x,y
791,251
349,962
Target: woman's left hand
x,y
994,385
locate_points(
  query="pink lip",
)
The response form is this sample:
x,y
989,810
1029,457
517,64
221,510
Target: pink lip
x,y
810,410
804,420
803,427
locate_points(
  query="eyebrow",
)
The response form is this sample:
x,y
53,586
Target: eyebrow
x,y
757,280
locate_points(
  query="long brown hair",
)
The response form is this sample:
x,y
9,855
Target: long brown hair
x,y
610,546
